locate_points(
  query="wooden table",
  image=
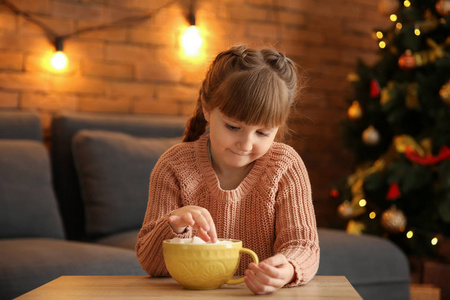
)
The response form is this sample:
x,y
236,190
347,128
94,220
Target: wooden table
x,y
144,287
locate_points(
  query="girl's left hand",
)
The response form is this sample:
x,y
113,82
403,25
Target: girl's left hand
x,y
270,275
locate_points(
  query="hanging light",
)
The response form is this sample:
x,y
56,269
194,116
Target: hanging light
x,y
191,41
59,59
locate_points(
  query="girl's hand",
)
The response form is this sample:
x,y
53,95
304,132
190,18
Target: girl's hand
x,y
270,275
197,217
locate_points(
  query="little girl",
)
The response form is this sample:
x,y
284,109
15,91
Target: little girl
x,y
231,179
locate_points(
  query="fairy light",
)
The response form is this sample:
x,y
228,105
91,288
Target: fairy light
x,y
407,3
372,215
410,234
382,44
434,241
362,202
399,25
393,17
59,60
379,35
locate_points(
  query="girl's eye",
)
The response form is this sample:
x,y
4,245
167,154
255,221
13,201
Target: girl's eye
x,y
263,133
231,127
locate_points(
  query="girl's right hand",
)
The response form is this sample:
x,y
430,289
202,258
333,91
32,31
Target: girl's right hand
x,y
198,218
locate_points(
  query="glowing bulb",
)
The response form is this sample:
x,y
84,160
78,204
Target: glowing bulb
x,y
372,215
59,60
398,26
382,44
393,17
379,35
417,31
409,234
362,202
434,241
407,3
191,41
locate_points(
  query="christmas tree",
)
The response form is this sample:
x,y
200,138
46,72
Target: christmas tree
x,y
398,127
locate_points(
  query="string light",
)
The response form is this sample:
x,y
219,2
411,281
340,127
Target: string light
x,y
372,215
59,59
410,234
417,31
191,41
379,35
393,17
434,241
399,25
382,44
407,3
362,202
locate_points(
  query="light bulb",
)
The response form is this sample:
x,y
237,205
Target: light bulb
x,y
372,215
59,60
191,41
382,44
362,202
407,3
434,241
410,234
393,17
379,35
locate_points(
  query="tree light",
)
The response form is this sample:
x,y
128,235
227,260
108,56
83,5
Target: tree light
x,y
372,215
393,17
382,44
379,35
362,202
434,241
409,234
191,41
407,3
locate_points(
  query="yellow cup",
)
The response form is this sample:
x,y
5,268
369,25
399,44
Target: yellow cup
x,y
204,266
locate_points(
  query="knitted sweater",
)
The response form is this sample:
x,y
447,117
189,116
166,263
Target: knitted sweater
x,y
271,211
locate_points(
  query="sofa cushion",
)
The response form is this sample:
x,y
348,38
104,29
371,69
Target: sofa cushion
x,y
26,264
66,124
20,124
27,201
114,171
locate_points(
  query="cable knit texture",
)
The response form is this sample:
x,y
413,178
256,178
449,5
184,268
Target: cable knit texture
x,y
271,211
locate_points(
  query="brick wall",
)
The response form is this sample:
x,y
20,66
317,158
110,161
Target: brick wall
x,y
140,69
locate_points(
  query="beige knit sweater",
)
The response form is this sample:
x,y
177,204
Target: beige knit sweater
x,y
271,211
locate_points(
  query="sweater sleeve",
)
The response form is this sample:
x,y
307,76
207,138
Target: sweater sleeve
x,y
296,229
164,197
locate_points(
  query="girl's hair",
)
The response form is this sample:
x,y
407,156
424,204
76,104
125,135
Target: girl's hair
x,y
256,87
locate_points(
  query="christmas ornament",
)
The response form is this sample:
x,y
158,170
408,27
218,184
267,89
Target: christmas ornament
x,y
370,136
374,88
334,193
345,210
406,60
393,220
443,7
355,227
388,7
427,160
444,92
393,192
354,111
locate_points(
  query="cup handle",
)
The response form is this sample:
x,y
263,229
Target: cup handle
x,y
255,260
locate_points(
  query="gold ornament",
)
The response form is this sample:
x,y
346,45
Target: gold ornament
x,y
354,111
355,227
444,92
345,210
443,7
370,136
388,7
393,220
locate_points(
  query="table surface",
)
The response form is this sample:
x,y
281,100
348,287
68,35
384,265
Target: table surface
x,y
144,287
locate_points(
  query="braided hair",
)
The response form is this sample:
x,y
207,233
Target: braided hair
x,y
256,87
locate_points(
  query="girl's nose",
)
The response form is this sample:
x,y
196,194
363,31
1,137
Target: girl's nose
x,y
245,144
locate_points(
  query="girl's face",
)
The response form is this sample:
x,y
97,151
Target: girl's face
x,y
235,144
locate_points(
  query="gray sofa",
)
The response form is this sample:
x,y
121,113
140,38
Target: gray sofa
x,y
76,208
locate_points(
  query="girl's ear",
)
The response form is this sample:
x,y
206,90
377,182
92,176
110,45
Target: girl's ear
x,y
205,111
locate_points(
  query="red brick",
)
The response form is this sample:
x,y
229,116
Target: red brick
x,y
24,81
158,72
154,106
11,60
76,11
126,52
100,104
9,100
106,70
7,22
77,85
131,89
35,6
49,102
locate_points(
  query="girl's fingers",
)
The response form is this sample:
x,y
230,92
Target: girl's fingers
x,y
255,285
267,275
